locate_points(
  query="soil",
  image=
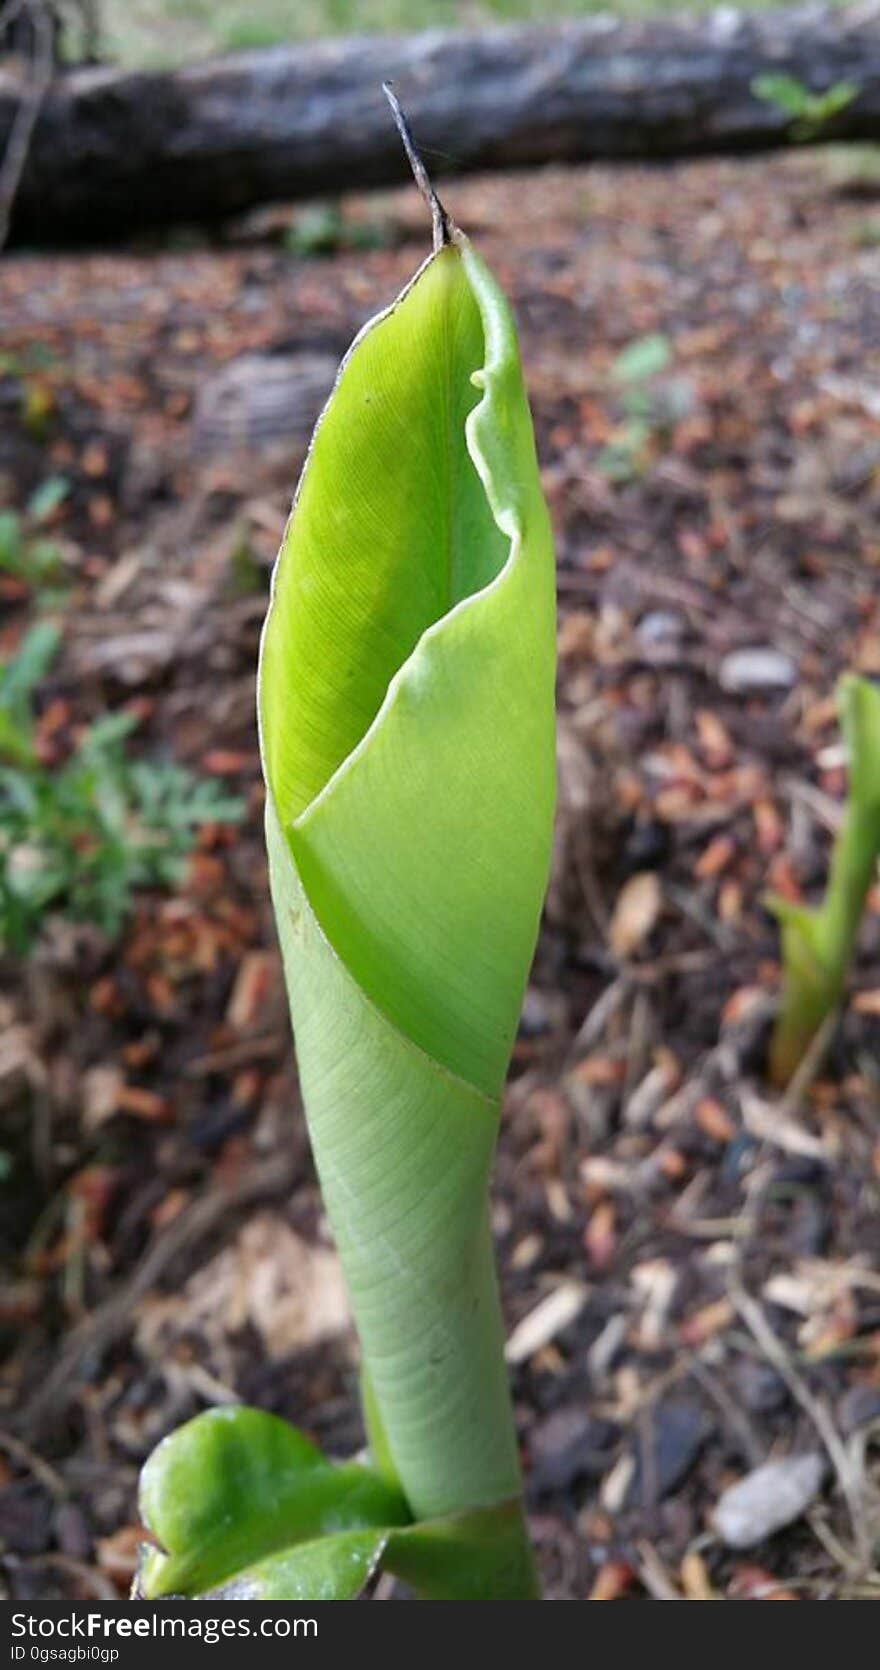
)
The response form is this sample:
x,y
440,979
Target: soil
x,y
689,1261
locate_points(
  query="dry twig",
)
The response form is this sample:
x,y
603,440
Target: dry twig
x,y
849,1481
114,1317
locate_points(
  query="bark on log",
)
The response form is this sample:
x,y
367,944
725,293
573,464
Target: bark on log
x,y
114,151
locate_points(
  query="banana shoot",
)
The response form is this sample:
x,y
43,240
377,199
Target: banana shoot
x,y
406,710
817,945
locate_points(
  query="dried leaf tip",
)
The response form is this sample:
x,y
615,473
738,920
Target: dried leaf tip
x,y
440,221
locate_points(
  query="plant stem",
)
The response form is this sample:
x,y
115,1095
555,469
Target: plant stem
x,y
818,944
404,1151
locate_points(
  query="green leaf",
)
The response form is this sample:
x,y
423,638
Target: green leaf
x,y
19,678
423,814
331,1568
837,98
48,496
246,1508
809,112
407,724
472,1556
787,93
644,358
234,1486
11,541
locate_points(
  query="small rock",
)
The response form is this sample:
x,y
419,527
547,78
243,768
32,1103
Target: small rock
x,y
679,1429
858,1407
749,672
660,626
569,1445
759,1387
772,1496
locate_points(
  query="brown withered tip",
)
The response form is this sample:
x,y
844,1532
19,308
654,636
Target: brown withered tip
x,y
440,221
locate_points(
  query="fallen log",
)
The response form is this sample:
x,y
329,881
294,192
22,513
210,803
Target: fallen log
x,y
114,151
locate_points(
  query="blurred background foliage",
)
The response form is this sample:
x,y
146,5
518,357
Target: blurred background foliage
x,y
159,32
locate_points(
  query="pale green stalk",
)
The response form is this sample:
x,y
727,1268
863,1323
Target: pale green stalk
x,y
818,944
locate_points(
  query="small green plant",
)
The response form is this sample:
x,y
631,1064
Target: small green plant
x,y
35,369
649,406
27,362
406,698
817,945
80,838
247,574
25,551
322,229
19,679
808,113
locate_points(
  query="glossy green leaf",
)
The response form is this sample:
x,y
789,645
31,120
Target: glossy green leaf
x,y
337,1567
473,1556
235,1486
244,1507
407,722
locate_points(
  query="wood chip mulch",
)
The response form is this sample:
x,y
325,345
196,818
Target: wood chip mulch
x,y
689,1262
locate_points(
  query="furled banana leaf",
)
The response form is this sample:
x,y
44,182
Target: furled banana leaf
x,y
407,724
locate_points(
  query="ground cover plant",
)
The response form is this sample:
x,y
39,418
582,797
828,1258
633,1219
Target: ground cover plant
x,y
27,551
80,835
